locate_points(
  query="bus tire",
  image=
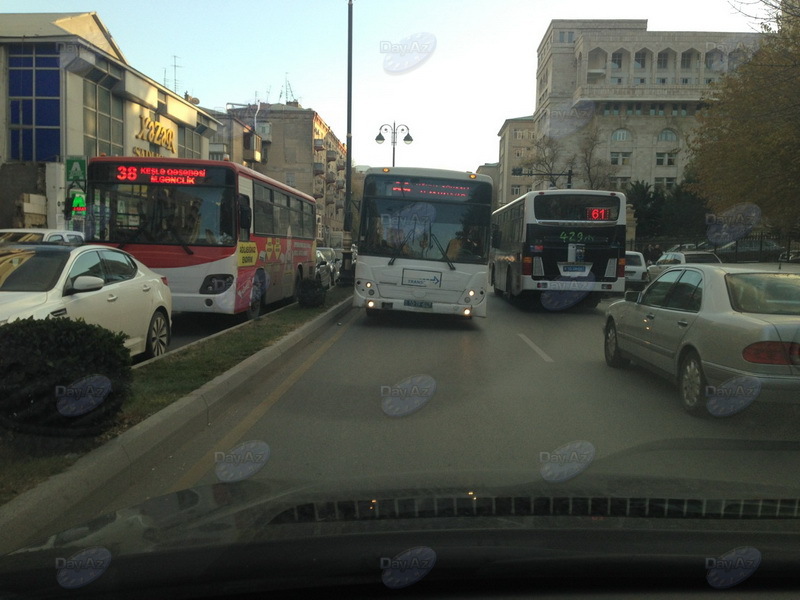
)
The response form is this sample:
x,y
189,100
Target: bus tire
x,y
257,295
509,286
296,291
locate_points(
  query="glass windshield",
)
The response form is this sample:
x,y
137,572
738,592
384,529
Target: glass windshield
x,y
161,214
765,293
425,230
576,208
30,271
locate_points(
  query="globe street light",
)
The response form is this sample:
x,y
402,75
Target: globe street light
x,y
393,129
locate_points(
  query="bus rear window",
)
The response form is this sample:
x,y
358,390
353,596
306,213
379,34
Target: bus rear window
x,y
576,208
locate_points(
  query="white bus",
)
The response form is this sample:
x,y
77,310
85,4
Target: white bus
x,y
560,247
423,244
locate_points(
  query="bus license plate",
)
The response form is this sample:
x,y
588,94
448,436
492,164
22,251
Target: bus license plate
x,y
418,303
575,268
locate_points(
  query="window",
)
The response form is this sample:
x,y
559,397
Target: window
x,y
663,60
640,59
687,59
515,191
566,37
667,135
519,134
666,183
189,143
619,183
686,81
616,60
680,110
117,266
87,263
34,101
657,110
263,210
620,158
662,80
666,159
102,121
621,135
656,294
640,80
687,293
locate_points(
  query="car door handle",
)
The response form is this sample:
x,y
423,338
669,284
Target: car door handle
x,y
145,288
111,298
683,323
650,316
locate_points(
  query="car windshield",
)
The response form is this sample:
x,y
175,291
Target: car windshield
x,y
11,237
399,297
765,293
26,270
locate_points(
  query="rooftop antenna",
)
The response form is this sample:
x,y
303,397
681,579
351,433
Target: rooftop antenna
x,y
175,67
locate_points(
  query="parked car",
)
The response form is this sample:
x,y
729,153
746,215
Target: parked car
x,y
710,328
792,257
322,271
101,285
682,247
670,259
18,236
334,262
635,270
749,250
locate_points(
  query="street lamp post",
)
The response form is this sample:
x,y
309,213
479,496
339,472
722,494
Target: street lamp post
x,y
393,129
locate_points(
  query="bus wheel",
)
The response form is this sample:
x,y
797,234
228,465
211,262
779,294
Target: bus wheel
x,y
509,286
256,299
497,290
296,291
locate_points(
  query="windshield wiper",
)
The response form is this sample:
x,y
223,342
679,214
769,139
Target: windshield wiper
x,y
444,254
400,248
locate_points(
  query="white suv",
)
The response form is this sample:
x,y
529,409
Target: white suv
x,y
635,271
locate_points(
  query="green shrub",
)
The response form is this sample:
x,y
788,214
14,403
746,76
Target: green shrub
x,y
41,363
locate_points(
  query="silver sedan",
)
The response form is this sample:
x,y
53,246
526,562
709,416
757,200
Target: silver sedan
x,y
728,335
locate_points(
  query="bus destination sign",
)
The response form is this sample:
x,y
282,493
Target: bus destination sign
x,y
164,175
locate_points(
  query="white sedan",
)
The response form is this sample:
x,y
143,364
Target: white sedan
x,y
103,286
728,335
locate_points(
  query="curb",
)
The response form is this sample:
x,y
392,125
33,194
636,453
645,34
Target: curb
x,y
115,461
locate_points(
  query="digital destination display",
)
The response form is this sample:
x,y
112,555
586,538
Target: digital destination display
x,y
155,174
430,189
599,214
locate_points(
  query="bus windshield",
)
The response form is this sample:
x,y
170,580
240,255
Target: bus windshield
x,y
183,206
424,230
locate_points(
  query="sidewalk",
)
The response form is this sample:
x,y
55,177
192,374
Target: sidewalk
x,y
116,461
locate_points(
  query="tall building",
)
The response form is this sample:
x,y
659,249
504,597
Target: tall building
x,y
300,149
615,103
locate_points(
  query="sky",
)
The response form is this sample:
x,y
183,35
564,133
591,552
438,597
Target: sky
x,y
452,71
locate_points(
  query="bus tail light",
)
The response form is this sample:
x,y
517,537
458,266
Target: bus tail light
x,y
527,265
620,268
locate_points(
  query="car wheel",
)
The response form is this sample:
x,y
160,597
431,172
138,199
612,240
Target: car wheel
x,y
692,384
157,335
611,347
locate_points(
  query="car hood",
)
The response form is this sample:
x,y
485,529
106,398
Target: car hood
x,y
14,303
257,509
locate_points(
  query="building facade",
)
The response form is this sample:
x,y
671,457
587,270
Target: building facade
x,y
67,90
615,103
300,149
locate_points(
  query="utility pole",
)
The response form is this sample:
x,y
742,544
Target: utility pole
x,y
347,273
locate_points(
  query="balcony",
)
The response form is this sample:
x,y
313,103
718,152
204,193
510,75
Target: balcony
x,y
330,177
340,165
319,145
331,155
644,92
340,184
319,168
252,155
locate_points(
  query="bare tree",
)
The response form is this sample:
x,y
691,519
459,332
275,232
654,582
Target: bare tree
x,y
595,170
548,163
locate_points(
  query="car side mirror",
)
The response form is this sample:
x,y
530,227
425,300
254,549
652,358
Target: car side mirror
x,y
632,296
85,283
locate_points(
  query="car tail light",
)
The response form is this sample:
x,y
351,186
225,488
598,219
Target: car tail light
x,y
164,280
773,353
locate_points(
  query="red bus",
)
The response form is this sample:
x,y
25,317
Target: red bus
x,y
229,239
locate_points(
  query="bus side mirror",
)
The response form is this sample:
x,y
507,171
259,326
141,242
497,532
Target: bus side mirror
x,y
245,213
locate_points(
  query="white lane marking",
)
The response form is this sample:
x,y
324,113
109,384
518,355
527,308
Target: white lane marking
x,y
536,348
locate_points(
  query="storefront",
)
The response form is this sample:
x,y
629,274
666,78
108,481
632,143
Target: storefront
x,y
66,96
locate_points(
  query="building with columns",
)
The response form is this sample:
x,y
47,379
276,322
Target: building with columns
x,y
623,96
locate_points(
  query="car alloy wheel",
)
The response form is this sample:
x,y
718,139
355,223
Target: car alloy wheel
x,y
611,347
157,335
692,384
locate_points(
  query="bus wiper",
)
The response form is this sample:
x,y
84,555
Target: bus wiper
x,y
183,244
444,254
133,238
400,248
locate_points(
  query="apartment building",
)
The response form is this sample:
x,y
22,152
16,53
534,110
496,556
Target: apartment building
x,y
618,97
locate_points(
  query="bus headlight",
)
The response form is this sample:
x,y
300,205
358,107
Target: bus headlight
x,y
467,312
368,285
370,303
